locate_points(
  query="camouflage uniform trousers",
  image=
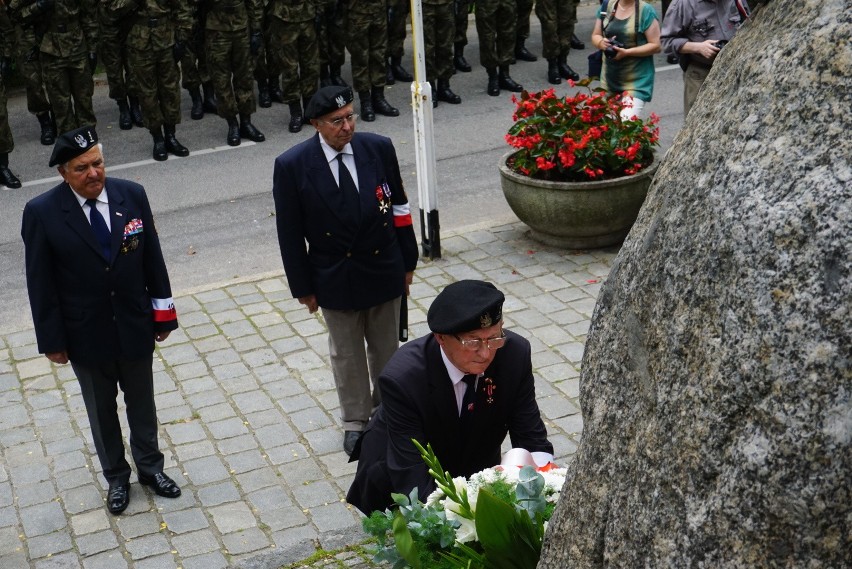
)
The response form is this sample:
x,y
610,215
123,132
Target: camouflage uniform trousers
x,y
69,87
7,143
522,27
400,10
557,18
158,86
298,54
29,65
113,54
495,25
368,42
461,9
331,37
438,34
265,64
230,63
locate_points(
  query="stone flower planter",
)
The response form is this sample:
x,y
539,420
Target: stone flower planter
x,y
576,215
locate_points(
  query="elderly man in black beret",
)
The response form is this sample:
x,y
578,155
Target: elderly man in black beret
x,y
100,297
461,388
341,192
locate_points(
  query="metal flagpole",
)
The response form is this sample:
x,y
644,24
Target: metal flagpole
x,y
424,141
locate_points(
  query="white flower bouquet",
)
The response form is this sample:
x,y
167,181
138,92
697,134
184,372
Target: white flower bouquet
x,y
493,520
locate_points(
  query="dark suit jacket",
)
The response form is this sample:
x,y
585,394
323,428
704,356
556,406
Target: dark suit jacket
x,y
353,260
93,308
418,402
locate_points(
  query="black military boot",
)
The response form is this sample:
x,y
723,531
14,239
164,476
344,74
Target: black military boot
x,y
48,128
160,153
553,75
389,78
264,101
197,111
209,103
172,144
565,70
336,79
522,53
325,76
446,94
275,91
233,131
136,111
399,72
7,178
248,130
305,101
459,62
493,82
576,43
381,105
366,106
124,120
295,117
434,94
506,82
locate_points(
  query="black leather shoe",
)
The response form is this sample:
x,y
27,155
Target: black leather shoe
x,y
672,59
248,130
350,438
493,85
446,94
367,113
118,497
8,179
506,82
296,120
124,120
161,484
553,75
233,132
459,62
565,70
381,105
172,144
576,43
522,53
160,153
48,129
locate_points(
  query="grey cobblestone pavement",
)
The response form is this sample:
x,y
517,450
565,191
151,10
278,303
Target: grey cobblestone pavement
x,y
249,421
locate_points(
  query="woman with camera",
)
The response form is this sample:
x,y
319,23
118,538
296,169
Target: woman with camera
x,y
628,32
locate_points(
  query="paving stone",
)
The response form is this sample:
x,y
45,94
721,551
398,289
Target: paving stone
x,y
218,494
69,461
219,357
165,561
195,450
212,560
293,536
82,499
42,519
6,497
93,543
237,329
227,373
251,341
217,412
185,520
62,561
195,543
317,493
138,525
107,560
286,454
310,419
17,560
193,370
232,517
227,428
49,544
146,546
264,418
251,539
246,461
32,368
46,400
63,445
206,398
283,518
256,479
29,494
185,433
9,541
89,522
269,499
205,470
236,445
301,471
8,517
275,435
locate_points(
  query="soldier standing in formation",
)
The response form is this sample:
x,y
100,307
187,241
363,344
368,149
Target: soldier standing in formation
x,y
398,12
293,33
193,66
267,67
495,24
7,144
68,45
155,43
331,37
368,45
233,35
439,33
522,31
558,18
113,30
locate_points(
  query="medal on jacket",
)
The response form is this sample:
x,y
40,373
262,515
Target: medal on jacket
x,y
383,195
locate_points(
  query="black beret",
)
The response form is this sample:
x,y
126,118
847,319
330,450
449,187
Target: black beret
x,y
71,144
328,99
465,306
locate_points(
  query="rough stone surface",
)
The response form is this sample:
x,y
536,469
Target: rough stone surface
x,y
715,385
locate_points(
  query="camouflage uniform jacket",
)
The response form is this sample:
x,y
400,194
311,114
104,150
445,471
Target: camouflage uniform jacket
x,y
157,23
7,33
293,10
233,15
68,29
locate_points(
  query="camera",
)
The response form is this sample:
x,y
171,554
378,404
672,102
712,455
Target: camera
x,y
609,52
721,43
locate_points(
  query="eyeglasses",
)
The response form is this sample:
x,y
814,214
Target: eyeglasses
x,y
338,122
475,344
